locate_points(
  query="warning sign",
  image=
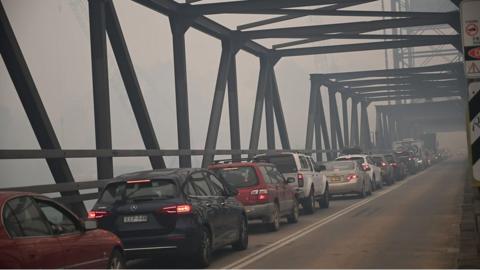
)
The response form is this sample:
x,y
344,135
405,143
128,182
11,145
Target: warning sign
x,y
470,16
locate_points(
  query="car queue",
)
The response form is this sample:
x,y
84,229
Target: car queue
x,y
186,212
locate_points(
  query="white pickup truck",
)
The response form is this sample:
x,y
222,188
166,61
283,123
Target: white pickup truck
x,y
310,181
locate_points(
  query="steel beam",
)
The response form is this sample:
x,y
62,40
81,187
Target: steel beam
x,y
322,122
345,119
132,86
336,121
179,27
228,51
259,100
101,98
365,127
279,116
269,118
33,106
312,107
233,109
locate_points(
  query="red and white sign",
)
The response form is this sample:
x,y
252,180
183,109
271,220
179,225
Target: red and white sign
x,y
470,17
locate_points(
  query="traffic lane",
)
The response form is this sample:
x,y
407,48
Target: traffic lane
x,y
414,226
259,237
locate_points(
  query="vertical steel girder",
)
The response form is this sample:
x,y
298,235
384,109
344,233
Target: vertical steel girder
x,y
379,138
279,116
333,127
386,134
101,99
269,118
132,86
217,105
322,122
178,27
312,108
233,109
33,106
345,120
259,100
354,134
365,129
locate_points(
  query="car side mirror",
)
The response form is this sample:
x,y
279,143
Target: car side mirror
x,y
290,180
90,224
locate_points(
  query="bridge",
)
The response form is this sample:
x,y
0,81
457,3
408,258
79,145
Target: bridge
x,y
422,89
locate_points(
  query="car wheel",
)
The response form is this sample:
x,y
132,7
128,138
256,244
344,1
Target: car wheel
x,y
274,225
293,217
204,252
116,260
309,203
242,242
363,193
324,202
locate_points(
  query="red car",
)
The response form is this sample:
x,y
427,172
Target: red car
x,y
262,190
37,232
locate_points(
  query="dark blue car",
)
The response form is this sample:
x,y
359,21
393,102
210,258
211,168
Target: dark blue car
x,y
188,212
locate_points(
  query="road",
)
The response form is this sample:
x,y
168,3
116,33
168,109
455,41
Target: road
x,y
412,224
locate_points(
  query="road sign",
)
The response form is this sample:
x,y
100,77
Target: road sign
x,y
470,16
474,127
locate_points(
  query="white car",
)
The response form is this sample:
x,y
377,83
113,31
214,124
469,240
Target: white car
x,y
374,172
310,181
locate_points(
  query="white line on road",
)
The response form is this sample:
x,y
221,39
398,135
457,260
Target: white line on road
x,y
289,239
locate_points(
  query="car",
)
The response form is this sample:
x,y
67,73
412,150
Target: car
x,y
37,232
187,212
399,168
347,177
373,171
262,190
309,181
408,159
386,169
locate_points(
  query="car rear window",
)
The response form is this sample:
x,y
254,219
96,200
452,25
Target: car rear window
x,y
350,158
135,190
284,163
239,177
340,165
389,158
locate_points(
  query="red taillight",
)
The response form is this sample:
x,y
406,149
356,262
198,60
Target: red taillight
x,y
97,214
384,164
365,166
352,177
143,181
260,194
300,179
394,164
177,209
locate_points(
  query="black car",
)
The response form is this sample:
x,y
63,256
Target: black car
x,y
187,212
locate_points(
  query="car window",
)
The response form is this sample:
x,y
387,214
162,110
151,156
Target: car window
x,y
11,223
274,174
29,217
304,164
60,221
239,177
155,189
340,165
200,184
112,193
266,176
216,185
284,163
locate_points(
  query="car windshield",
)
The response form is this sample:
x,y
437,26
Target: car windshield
x,y
239,177
284,163
340,166
135,190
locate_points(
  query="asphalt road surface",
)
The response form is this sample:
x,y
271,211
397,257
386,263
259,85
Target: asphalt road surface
x,y
412,224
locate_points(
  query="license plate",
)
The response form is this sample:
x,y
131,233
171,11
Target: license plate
x,y
135,219
334,178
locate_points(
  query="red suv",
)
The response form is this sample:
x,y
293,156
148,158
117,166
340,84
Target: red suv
x,y
36,232
262,190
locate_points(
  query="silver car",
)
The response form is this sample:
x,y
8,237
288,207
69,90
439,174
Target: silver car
x,y
348,177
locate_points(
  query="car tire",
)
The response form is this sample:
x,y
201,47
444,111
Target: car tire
x,y
309,203
293,217
274,225
203,255
116,261
242,242
324,202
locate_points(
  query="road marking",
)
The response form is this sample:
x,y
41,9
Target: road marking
x,y
289,239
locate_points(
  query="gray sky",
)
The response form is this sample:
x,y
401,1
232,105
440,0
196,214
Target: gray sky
x,y
53,35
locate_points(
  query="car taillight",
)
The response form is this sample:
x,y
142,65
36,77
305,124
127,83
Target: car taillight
x,y
365,166
300,179
394,164
260,194
352,177
97,214
177,209
384,164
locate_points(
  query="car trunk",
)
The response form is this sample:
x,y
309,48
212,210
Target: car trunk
x,y
338,176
